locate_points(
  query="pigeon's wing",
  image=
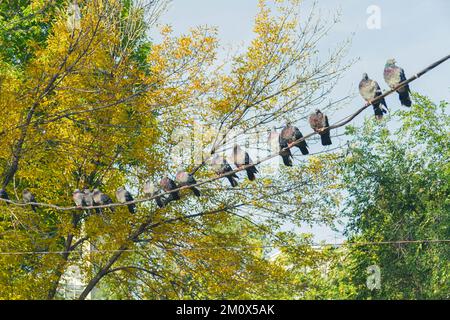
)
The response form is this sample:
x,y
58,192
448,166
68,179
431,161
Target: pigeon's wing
x,y
297,133
326,124
128,197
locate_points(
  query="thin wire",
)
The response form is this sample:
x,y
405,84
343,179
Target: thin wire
x,y
341,123
272,246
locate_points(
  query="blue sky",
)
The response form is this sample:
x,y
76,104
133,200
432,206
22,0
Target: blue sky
x,y
415,32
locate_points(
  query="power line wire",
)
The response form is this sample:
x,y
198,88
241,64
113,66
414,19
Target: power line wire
x,y
271,246
341,123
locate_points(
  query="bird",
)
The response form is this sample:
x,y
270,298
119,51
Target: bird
x,y
290,134
28,197
167,185
221,166
73,17
101,199
150,191
276,145
4,195
87,197
78,198
124,196
185,179
369,90
241,158
318,121
393,76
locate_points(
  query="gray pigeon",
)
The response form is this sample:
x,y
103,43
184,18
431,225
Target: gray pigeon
x,y
221,166
185,179
241,158
88,199
28,197
167,185
318,121
101,199
78,198
369,90
394,75
276,145
124,196
289,135
151,191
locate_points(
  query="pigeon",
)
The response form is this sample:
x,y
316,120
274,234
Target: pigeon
x,y
185,179
369,90
78,198
73,17
167,185
101,199
88,199
150,191
29,197
221,166
318,121
124,196
242,158
276,145
394,75
289,135
4,195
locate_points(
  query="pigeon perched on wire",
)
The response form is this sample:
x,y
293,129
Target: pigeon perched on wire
x,y
73,17
78,198
369,90
276,145
167,185
318,121
150,190
241,158
185,179
124,196
290,134
221,166
101,199
393,76
28,197
88,199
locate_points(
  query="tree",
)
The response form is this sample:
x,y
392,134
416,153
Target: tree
x,y
397,185
103,106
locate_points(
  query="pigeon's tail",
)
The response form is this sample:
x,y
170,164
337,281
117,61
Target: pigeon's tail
x,y
159,202
404,98
233,181
33,207
251,173
325,137
174,196
303,148
287,159
98,210
132,208
196,191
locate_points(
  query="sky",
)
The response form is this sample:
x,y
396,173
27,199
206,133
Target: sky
x,y
414,32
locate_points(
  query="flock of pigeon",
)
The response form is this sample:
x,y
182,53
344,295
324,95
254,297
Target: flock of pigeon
x,y
279,143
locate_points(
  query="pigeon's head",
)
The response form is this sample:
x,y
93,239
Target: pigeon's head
x,y
96,191
87,190
318,111
390,62
76,191
365,76
25,191
120,189
149,187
